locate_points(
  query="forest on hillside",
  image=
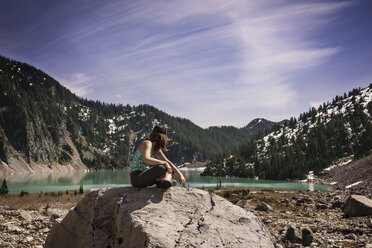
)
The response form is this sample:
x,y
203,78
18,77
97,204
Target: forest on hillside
x,y
311,142
39,116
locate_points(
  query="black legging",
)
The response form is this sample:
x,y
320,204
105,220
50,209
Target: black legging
x,y
148,177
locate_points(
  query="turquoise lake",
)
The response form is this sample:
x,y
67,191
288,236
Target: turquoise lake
x,y
47,182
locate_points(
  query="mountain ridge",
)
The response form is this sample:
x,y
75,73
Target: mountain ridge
x,y
311,142
44,126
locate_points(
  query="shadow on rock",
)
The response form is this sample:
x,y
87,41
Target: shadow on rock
x,y
152,217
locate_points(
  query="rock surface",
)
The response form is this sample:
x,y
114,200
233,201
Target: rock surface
x,y
18,231
307,236
349,173
264,207
316,227
357,205
151,217
293,235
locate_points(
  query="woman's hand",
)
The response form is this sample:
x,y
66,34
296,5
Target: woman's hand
x,y
168,167
182,180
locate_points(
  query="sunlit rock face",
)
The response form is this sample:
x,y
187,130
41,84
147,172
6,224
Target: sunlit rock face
x,y
357,205
151,217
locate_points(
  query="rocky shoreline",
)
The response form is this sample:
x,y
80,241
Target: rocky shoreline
x,y
288,213
318,211
26,221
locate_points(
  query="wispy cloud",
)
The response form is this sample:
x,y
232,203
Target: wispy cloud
x,y
78,83
213,61
245,61
316,104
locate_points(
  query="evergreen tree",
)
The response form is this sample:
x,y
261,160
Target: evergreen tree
x,y
4,188
81,189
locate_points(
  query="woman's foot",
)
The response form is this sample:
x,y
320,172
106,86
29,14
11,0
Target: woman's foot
x,y
164,184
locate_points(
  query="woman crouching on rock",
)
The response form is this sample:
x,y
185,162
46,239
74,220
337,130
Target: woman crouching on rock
x,y
146,170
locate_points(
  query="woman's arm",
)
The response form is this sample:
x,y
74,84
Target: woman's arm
x,y
161,156
147,155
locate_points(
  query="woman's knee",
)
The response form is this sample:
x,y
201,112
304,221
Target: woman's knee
x,y
161,169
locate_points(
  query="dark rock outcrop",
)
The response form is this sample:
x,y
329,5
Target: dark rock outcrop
x,y
296,236
264,207
293,235
307,236
151,217
337,204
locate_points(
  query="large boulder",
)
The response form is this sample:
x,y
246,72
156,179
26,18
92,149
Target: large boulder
x,y
357,205
151,217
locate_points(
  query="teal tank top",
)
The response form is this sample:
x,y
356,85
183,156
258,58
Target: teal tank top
x,y
138,163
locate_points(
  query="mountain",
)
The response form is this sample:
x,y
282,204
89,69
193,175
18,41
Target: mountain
x,y
311,142
43,126
259,124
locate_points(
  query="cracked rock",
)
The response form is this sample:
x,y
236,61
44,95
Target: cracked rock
x,y
152,217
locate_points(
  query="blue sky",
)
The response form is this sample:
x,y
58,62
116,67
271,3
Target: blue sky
x,y
213,62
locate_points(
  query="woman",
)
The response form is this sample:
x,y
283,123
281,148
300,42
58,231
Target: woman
x,y
147,170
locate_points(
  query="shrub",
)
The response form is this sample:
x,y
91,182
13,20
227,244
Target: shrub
x,y
23,193
226,194
67,148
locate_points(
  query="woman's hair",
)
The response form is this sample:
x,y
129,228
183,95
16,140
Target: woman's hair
x,y
159,136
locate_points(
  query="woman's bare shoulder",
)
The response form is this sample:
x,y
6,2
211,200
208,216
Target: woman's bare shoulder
x,y
145,145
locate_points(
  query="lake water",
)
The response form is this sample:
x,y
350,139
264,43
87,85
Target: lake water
x,y
47,182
